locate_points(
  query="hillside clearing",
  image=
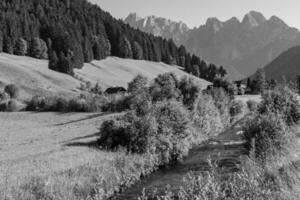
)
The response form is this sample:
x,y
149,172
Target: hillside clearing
x,y
34,78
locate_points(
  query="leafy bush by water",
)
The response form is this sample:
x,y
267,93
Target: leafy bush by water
x,y
282,101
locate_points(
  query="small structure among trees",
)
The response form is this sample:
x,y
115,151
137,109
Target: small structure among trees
x,y
115,90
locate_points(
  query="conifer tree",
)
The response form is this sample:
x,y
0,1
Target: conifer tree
x,y
7,45
20,47
125,48
53,61
38,48
259,83
137,51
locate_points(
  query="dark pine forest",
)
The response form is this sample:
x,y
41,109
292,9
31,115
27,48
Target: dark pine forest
x,y
71,32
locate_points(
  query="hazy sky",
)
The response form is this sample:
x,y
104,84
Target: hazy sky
x,y
195,12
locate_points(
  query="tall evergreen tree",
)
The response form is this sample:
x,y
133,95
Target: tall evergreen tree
x,y
38,48
53,61
125,48
137,51
259,81
20,47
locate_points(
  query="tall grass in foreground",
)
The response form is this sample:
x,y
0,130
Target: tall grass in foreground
x,y
98,179
253,182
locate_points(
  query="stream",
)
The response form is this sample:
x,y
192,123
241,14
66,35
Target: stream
x,y
226,149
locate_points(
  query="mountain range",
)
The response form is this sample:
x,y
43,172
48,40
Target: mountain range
x,y
240,46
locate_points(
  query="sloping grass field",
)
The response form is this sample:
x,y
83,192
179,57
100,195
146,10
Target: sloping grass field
x,y
34,78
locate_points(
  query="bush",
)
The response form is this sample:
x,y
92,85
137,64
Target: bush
x,y
4,96
134,133
12,90
83,103
165,87
174,131
228,86
138,84
282,101
222,101
140,102
61,105
116,103
3,107
206,118
270,133
164,132
189,91
252,105
12,106
36,103
78,105
236,108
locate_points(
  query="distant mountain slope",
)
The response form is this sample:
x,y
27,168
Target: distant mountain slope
x,y
34,78
287,64
243,45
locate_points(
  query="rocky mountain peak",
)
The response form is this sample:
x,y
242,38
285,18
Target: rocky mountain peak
x,y
133,17
276,21
253,19
214,23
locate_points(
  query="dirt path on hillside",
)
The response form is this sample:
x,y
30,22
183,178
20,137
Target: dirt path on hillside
x,y
226,149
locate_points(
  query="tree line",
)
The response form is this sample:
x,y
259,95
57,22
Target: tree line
x,y
69,33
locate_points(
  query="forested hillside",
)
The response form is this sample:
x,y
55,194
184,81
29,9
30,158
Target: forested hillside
x,y
71,32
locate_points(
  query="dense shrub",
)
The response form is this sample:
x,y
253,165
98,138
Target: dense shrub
x,y
228,86
270,134
97,89
139,98
4,96
174,130
164,132
83,103
138,84
3,106
12,90
189,91
134,133
236,108
222,101
9,106
116,103
252,105
206,118
165,87
282,101
12,105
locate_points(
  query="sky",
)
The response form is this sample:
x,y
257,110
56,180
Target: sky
x,y
195,12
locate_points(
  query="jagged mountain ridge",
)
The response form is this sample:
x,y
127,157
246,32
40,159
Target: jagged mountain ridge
x,y
244,45
159,26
